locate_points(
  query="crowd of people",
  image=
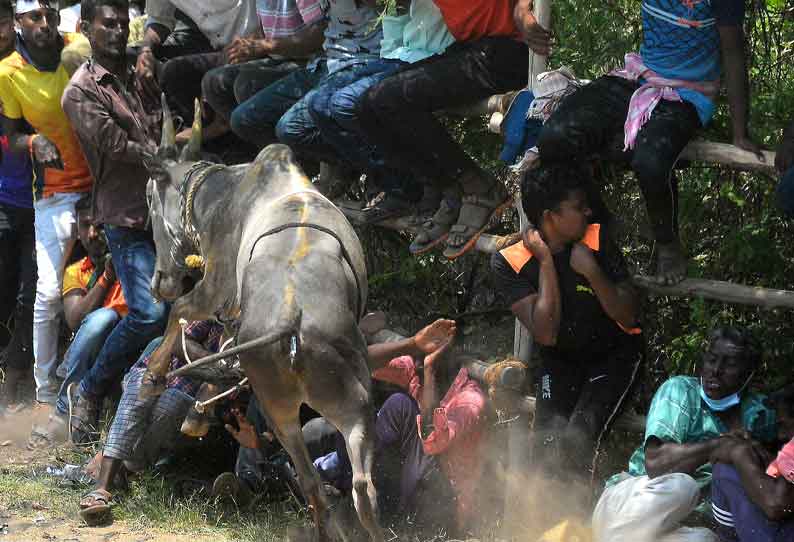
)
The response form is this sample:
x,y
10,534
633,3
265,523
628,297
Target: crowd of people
x,y
359,89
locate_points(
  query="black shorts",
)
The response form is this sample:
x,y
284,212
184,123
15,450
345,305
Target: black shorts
x,y
579,397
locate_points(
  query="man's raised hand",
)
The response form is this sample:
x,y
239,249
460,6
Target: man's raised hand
x,y
246,435
145,76
532,33
434,336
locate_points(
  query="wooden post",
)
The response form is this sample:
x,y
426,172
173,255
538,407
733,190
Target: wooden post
x,y
519,442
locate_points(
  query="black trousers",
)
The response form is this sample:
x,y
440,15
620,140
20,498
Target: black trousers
x,y
590,120
181,78
17,271
578,396
397,114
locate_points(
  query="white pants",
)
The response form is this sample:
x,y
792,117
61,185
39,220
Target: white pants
x,y
56,227
640,509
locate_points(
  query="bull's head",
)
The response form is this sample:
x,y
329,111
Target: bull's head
x,y
167,171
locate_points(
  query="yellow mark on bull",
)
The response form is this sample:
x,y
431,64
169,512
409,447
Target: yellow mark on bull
x,y
302,241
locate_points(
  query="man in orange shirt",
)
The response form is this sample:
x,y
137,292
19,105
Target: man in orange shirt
x,y
32,80
93,304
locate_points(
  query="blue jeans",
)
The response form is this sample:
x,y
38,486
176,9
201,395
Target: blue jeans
x,y
94,330
738,518
785,193
255,119
334,112
297,127
133,259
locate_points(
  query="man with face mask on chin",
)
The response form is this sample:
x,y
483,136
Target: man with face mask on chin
x,y
689,420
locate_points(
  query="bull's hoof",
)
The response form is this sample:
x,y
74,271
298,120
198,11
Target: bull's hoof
x,y
196,425
151,386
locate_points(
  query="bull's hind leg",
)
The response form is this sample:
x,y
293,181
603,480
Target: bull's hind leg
x,y
290,436
359,433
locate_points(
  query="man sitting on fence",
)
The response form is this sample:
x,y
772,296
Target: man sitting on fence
x,y
688,420
569,284
397,115
414,32
659,101
93,303
144,430
753,498
784,162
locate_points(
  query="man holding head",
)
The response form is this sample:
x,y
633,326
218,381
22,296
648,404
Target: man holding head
x,y
32,80
689,420
116,132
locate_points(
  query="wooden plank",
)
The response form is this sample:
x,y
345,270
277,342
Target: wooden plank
x,y
701,150
718,290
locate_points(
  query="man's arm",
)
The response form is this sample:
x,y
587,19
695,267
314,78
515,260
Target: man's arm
x,y
146,65
668,457
775,496
78,303
426,341
735,69
302,44
619,301
96,127
540,313
44,151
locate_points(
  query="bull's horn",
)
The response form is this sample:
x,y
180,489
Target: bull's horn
x,y
192,150
168,140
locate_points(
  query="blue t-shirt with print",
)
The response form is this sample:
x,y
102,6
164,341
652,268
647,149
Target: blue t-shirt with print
x,y
681,41
16,177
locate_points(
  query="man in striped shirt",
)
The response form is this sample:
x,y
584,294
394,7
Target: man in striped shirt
x,y
292,31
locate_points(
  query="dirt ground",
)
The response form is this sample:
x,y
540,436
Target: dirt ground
x,y
64,530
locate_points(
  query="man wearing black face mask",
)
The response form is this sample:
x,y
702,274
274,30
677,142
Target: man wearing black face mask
x,y
688,420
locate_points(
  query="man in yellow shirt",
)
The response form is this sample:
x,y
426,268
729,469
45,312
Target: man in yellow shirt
x,y
32,81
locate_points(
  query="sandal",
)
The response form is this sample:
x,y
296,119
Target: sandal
x,y
435,230
95,506
475,216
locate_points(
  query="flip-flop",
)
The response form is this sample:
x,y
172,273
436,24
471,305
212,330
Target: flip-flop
x,y
435,230
470,232
95,510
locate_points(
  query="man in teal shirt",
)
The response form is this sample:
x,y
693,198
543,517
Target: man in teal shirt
x,y
686,422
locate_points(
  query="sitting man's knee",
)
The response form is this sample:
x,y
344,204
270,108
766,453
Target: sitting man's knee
x,y
286,132
318,105
554,142
243,123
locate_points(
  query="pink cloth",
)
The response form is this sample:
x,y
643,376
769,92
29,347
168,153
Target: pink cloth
x,y
783,465
457,436
654,89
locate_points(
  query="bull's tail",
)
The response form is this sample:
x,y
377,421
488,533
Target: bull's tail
x,y
290,328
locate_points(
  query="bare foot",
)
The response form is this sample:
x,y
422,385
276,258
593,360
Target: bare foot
x,y
671,264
